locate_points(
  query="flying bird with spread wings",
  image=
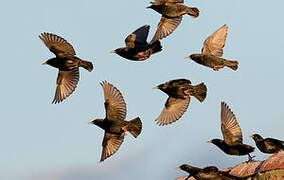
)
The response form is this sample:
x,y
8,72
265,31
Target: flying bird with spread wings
x,y
114,123
172,12
67,63
232,134
179,92
137,48
212,51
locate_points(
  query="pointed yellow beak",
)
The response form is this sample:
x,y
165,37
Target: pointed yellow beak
x,y
209,141
112,51
187,57
90,122
156,87
43,63
251,136
177,168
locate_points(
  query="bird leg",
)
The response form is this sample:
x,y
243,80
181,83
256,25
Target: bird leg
x,y
187,92
124,130
141,53
250,158
216,68
142,58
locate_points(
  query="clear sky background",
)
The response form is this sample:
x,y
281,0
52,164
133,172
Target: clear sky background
x,y
40,140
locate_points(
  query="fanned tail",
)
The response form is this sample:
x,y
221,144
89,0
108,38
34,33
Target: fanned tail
x,y
86,64
134,127
232,64
193,12
200,92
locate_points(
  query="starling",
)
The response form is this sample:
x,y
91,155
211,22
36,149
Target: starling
x,y
67,63
172,12
137,48
213,50
207,173
114,123
179,92
268,145
232,134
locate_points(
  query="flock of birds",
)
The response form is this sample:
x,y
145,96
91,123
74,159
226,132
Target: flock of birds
x,y
179,90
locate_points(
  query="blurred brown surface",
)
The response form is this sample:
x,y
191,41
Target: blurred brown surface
x,y
270,169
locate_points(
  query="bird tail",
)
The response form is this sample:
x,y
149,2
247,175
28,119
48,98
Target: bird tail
x,y
86,64
134,127
232,64
193,12
200,92
156,47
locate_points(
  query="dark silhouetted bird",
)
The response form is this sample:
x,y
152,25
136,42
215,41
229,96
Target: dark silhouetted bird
x,y
213,50
232,134
179,92
114,123
207,173
67,63
172,12
268,145
137,48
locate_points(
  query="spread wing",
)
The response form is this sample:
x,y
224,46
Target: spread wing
x,y
59,46
111,144
114,102
173,110
230,127
66,83
214,44
165,27
138,38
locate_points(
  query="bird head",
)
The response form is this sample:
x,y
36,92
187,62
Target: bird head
x,y
216,141
97,122
194,57
118,51
256,137
51,62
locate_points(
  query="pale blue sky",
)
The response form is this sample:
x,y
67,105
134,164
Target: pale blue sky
x,y
40,140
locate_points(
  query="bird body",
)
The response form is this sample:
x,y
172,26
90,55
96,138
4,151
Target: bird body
x,y
179,92
232,134
268,145
172,12
207,173
67,63
114,123
214,61
137,48
213,50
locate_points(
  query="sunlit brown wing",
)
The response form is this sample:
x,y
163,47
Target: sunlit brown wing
x,y
59,46
158,2
165,27
111,144
214,44
66,83
114,102
173,110
230,127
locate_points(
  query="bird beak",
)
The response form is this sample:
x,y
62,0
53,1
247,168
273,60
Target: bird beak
x,y
43,63
90,123
177,168
251,136
187,57
156,87
209,141
112,51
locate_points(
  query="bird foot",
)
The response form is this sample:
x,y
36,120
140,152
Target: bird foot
x,y
141,53
123,134
124,128
140,59
187,92
250,158
216,68
186,96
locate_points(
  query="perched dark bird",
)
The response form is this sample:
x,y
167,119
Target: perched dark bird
x,y
179,92
172,12
268,145
137,48
207,173
213,50
232,134
114,123
67,63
